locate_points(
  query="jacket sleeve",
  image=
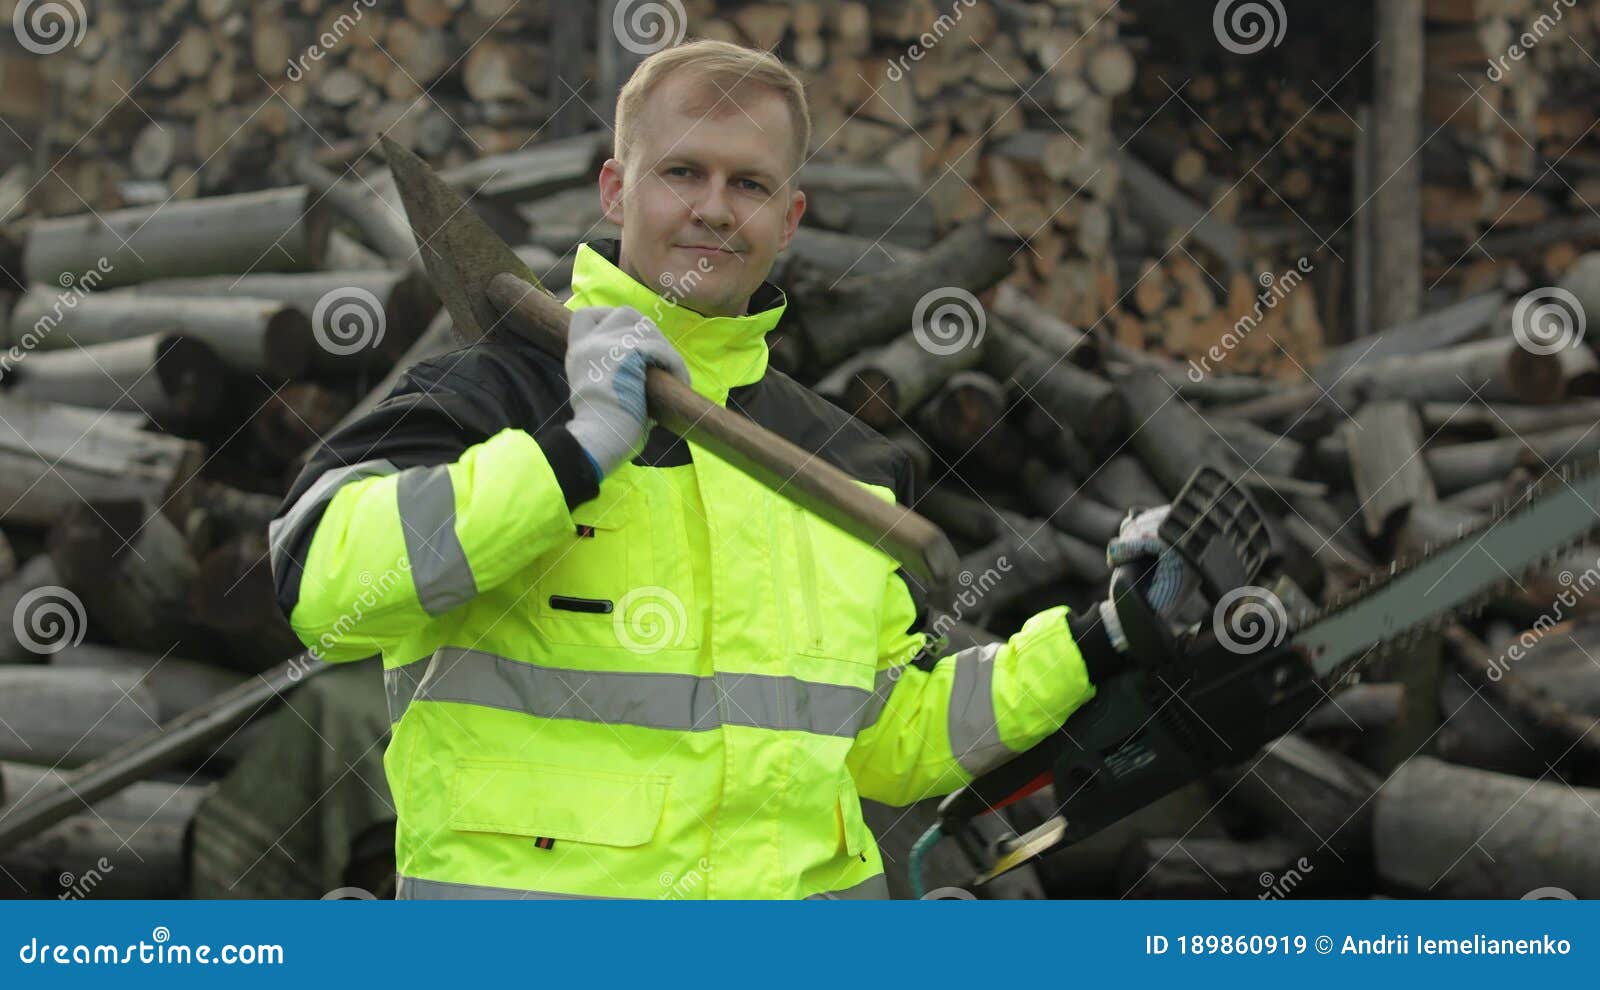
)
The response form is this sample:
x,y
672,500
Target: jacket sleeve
x,y
932,726
446,488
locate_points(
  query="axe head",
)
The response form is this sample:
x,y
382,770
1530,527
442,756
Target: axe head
x,y
459,251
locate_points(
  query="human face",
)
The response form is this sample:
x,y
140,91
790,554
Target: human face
x,y
707,199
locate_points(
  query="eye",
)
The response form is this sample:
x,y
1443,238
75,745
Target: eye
x,y
753,185
676,170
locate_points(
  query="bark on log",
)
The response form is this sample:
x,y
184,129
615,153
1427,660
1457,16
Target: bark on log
x,y
406,298
1060,499
870,309
898,377
1309,793
1384,441
251,336
53,457
130,846
132,568
1084,401
60,717
275,230
1210,868
1171,439
1457,832
175,380
1463,465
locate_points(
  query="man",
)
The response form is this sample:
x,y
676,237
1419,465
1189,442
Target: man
x,y
617,666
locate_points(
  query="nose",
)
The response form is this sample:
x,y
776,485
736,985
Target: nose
x,y
711,208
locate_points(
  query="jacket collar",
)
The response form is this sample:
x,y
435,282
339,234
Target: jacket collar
x,y
723,352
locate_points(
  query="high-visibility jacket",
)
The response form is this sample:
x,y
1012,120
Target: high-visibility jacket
x,y
673,684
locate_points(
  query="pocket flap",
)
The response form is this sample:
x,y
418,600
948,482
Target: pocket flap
x,y
850,818
607,510
539,800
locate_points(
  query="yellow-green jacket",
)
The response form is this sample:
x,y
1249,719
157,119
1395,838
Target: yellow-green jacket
x,y
673,685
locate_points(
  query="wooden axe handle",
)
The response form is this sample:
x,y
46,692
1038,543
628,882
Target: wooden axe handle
x,y
798,475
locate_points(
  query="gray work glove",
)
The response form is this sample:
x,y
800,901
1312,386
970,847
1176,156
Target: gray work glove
x,y
608,349
1158,572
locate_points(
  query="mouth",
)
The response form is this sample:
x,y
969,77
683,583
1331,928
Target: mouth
x,y
707,252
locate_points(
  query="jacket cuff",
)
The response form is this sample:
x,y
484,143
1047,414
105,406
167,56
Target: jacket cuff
x,y
571,465
1100,658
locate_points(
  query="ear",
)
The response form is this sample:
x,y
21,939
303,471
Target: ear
x,y
791,221
611,187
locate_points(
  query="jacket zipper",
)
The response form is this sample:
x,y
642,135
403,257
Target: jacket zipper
x,y
808,576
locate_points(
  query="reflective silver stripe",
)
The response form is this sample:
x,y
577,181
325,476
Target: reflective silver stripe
x,y
974,736
682,702
400,686
882,686
439,568
285,531
874,888
416,888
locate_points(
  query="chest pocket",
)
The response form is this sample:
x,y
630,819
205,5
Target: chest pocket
x,y
581,581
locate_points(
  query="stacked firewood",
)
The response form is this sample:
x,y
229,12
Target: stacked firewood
x,y
1510,89
134,513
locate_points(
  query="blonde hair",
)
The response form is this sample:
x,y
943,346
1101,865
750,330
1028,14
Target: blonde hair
x,y
721,62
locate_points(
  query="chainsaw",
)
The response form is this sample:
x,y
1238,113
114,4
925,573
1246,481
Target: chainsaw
x,y
1200,699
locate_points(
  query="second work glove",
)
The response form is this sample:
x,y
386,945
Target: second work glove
x,y
1162,577
608,349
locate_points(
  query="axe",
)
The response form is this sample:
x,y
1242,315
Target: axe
x,y
487,288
